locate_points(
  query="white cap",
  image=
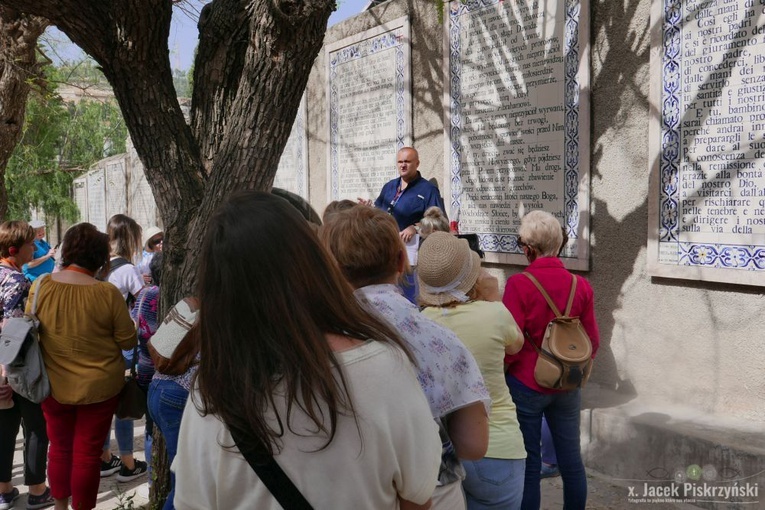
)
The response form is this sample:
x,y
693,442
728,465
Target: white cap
x,y
35,224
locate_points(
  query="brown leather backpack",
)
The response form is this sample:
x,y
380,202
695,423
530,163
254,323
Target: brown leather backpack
x,y
565,358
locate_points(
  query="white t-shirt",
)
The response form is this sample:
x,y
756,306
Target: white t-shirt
x,y
396,449
127,280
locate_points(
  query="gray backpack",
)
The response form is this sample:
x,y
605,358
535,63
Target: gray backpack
x,y
21,354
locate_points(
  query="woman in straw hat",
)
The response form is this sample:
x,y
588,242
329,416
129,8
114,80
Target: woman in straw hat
x,y
293,368
452,289
541,238
367,245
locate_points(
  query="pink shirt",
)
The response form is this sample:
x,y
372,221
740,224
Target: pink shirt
x,y
532,313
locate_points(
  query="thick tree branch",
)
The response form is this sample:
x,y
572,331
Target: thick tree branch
x,y
274,71
18,67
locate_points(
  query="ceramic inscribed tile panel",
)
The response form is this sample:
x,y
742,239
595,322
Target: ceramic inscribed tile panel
x,y
707,141
370,118
517,121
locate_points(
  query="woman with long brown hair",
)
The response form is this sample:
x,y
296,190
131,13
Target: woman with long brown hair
x,y
124,249
292,367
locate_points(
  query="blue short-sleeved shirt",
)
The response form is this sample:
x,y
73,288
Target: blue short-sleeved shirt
x,y
41,249
411,205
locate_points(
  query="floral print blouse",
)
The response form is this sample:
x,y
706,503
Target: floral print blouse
x,y
14,289
447,372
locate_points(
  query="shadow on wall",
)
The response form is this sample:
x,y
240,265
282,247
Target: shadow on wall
x,y
620,56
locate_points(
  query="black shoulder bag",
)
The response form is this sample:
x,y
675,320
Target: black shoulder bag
x,y
273,477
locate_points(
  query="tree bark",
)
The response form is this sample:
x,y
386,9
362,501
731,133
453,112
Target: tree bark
x,y
18,67
250,72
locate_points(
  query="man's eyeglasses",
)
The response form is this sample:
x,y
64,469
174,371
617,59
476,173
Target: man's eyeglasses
x,y
522,243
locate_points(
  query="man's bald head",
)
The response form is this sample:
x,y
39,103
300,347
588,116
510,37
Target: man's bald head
x,y
407,162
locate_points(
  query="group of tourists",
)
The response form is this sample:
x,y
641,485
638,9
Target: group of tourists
x,y
89,309
304,372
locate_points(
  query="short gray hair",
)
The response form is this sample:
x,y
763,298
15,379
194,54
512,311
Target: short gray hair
x,y
541,231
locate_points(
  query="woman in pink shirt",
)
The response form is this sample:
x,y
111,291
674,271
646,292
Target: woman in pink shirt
x,y
540,237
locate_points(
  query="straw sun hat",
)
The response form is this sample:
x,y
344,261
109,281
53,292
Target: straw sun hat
x,y
447,269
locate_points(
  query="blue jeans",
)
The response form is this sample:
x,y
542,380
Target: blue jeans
x,y
167,400
548,450
494,483
123,429
562,413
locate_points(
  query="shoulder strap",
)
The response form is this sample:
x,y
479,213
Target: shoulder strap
x,y
544,293
274,478
571,296
116,264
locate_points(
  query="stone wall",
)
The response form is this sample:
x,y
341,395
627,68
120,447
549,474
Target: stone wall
x,y
669,342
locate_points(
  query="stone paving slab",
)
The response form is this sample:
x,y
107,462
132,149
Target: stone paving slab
x,y
112,494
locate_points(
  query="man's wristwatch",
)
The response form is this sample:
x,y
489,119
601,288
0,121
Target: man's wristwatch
x,y
416,228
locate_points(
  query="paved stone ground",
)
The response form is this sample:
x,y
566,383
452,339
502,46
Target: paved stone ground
x,y
111,494
604,493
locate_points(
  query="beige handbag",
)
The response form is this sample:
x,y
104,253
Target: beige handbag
x,y
565,358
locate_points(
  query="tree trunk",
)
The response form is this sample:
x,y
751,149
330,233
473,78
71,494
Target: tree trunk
x,y
18,66
250,72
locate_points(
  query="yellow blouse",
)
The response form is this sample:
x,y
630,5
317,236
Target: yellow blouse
x,y
83,329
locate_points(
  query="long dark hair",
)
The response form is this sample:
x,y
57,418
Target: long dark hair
x,y
269,294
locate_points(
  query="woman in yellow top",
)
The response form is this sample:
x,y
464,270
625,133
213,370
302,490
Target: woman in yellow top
x,y
458,295
84,325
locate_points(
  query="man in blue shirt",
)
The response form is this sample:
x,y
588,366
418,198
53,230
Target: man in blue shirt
x,y
43,258
408,196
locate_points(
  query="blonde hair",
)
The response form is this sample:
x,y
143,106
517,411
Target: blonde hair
x,y
14,234
365,243
124,237
541,231
433,220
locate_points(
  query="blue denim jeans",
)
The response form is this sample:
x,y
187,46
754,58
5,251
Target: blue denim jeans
x,y
548,449
494,483
123,429
167,400
562,413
